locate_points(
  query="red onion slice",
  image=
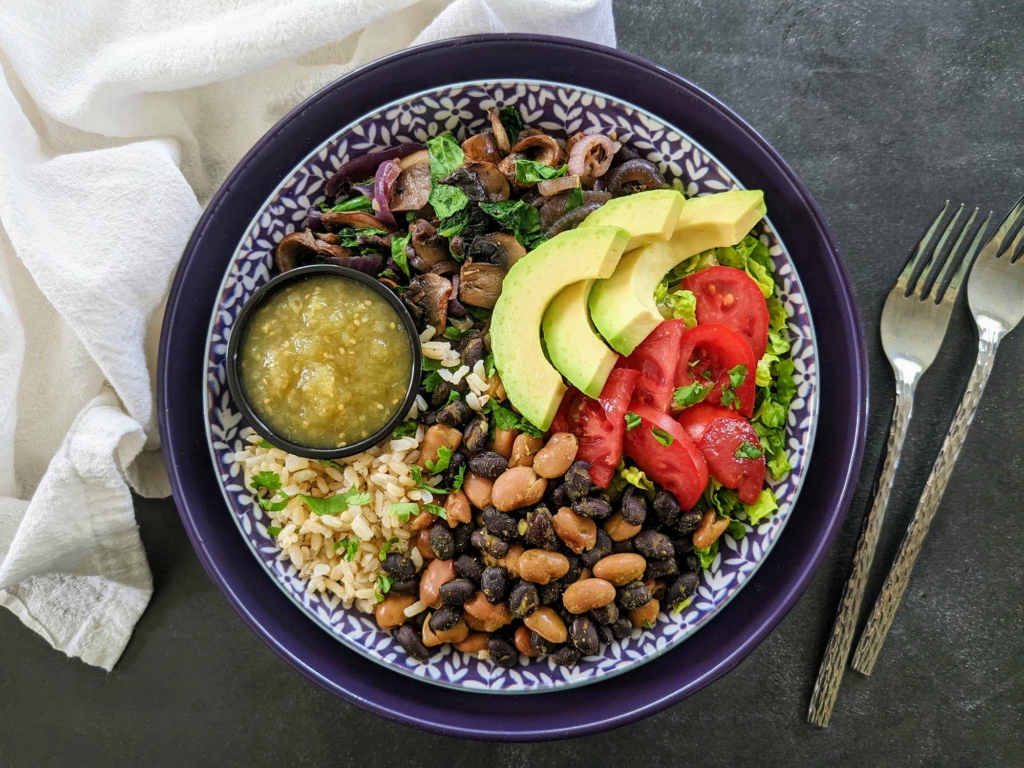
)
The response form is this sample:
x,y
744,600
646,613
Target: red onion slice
x,y
384,188
363,167
591,156
550,187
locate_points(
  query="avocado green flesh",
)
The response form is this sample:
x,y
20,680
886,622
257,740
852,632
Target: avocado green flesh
x,y
533,385
622,307
573,345
647,216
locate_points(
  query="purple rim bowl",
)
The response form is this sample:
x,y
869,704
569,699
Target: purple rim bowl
x,y
740,627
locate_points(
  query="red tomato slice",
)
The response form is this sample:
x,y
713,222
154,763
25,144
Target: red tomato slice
x,y
719,444
599,425
729,296
656,359
678,467
715,350
697,418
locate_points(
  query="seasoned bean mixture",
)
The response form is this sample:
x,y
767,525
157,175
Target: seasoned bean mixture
x,y
325,361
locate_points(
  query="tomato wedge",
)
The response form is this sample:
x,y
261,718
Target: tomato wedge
x,y
656,359
707,354
599,425
729,296
722,446
679,466
697,418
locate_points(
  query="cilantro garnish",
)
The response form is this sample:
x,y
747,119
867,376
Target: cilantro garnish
x,y
334,505
350,545
690,394
436,510
661,436
386,548
632,420
403,510
748,451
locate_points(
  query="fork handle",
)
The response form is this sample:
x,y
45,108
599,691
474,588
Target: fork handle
x,y
871,641
833,663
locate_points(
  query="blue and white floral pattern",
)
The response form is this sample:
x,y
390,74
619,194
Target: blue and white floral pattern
x,y
562,111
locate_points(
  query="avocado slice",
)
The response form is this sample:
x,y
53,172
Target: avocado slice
x,y
532,383
647,216
573,345
623,307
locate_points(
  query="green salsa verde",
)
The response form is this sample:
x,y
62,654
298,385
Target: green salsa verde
x,y
325,361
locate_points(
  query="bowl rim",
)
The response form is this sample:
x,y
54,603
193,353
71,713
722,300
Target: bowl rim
x,y
354,680
238,332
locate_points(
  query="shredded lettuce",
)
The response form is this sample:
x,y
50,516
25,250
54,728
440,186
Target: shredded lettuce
x,y
706,555
750,255
765,506
678,305
637,478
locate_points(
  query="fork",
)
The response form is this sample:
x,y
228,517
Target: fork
x,y
914,322
995,293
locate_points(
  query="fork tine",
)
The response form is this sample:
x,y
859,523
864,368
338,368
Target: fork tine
x,y
960,256
1001,237
940,256
971,255
1018,246
922,253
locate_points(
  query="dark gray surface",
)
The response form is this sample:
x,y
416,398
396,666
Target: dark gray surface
x,y
885,109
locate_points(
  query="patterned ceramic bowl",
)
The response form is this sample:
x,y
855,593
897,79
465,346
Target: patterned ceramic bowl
x,y
461,108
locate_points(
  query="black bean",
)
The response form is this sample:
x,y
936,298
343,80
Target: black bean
x,y
653,545
417,621
428,419
454,414
608,614
483,540
557,495
397,565
469,567
688,523
439,397
489,464
442,544
500,524
633,506
577,480
622,547
456,463
666,508
471,349
502,652
540,531
689,563
408,638
445,617
601,549
622,628
474,436
541,645
457,591
566,656
462,534
604,634
494,584
633,595
682,589
593,507
551,593
660,569
583,635
682,545
523,599
575,569
409,586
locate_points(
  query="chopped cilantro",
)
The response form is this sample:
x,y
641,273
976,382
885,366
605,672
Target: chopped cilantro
x,y
444,457
748,451
386,548
432,381
334,505
405,429
351,546
436,510
460,477
489,366
382,586
274,530
632,420
507,419
404,510
689,395
661,436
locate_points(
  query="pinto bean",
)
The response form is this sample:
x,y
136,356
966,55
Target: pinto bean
x,y
474,642
646,616
542,567
493,617
423,544
457,509
577,532
391,612
421,521
710,529
434,438
618,529
522,642
555,458
503,440
548,624
436,573
478,490
517,487
455,634
588,594
524,449
620,569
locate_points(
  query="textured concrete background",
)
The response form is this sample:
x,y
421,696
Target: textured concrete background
x,y
885,108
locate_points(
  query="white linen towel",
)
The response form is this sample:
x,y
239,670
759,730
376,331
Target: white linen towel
x,y
117,122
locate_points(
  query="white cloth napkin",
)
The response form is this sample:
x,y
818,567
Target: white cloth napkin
x,y
117,122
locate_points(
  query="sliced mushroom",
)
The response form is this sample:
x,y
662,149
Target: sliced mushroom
x,y
301,248
500,135
481,148
412,188
328,237
538,147
480,284
427,299
354,219
380,242
482,182
428,247
498,248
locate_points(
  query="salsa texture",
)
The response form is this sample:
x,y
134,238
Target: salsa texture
x,y
325,361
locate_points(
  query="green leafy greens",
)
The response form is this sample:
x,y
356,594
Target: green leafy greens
x,y
512,122
355,203
520,218
445,157
531,172
573,200
507,419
